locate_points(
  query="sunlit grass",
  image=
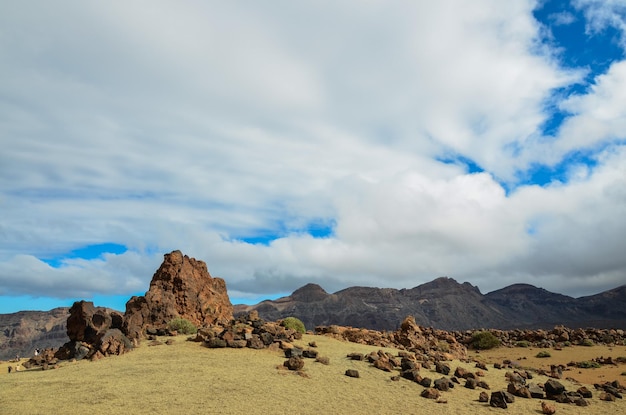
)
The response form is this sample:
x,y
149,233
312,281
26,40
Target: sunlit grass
x,y
186,378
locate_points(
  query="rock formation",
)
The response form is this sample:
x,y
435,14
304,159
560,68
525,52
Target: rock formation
x,y
94,332
181,287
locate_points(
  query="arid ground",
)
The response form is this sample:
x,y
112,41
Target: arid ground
x,y
187,378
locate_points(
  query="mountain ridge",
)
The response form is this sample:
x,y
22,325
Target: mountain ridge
x,y
446,304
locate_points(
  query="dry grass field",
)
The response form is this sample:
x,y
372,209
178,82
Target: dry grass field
x,y
186,378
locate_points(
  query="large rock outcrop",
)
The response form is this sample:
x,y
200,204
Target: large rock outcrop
x,y
94,332
181,287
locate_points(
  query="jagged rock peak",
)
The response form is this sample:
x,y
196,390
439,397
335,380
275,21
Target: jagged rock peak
x,y
181,287
309,293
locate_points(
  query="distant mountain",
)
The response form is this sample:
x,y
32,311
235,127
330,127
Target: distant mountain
x,y
448,305
23,332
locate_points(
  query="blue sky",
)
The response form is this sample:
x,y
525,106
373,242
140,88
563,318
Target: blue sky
x,y
346,143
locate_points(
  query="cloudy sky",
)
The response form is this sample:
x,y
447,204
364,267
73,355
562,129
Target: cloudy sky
x,y
377,143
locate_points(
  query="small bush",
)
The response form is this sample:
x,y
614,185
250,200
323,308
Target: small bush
x,y
586,364
587,342
523,343
544,353
483,340
182,326
294,324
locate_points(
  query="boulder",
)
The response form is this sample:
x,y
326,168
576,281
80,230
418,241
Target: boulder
x,y
535,391
483,397
93,330
519,390
87,322
470,383
430,393
498,400
553,388
443,384
352,373
181,287
294,363
443,368
547,408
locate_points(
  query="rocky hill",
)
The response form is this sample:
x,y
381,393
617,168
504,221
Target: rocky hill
x,y
23,332
448,305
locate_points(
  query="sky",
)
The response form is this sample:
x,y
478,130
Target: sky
x,y
343,143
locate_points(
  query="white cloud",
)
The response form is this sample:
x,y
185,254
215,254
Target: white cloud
x,y
601,14
187,125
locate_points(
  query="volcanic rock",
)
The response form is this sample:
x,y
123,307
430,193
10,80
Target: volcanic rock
x,y
181,287
93,330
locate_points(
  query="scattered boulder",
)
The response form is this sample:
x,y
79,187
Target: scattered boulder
x,y
498,400
553,388
352,373
519,390
443,368
443,384
470,383
548,408
535,391
430,393
294,363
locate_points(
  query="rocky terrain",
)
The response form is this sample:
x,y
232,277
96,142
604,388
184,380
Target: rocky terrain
x,y
183,288
448,305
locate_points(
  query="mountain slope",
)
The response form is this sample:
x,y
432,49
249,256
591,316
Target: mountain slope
x,y
446,304
22,332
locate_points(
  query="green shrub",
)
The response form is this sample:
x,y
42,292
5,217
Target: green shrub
x,y
483,340
544,353
587,342
586,364
523,343
294,324
182,326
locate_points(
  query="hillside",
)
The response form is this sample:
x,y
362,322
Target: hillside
x,y
22,332
186,377
448,305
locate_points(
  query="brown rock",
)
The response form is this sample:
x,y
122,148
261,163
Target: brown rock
x,y
584,392
548,408
294,363
181,287
352,373
430,393
483,397
498,400
605,396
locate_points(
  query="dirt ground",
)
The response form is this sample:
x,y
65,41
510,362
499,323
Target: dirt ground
x,y
526,357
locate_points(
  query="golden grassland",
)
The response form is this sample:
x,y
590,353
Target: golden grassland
x,y
187,378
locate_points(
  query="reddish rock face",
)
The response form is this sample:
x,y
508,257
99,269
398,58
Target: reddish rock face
x,y
181,287
86,322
